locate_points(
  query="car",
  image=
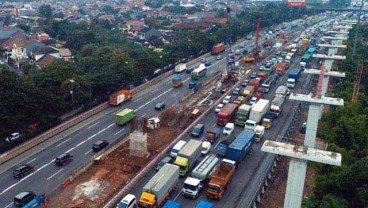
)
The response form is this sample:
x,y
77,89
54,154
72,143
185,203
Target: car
x,y
160,106
245,83
63,159
219,57
261,68
189,70
207,63
23,198
14,136
236,91
227,99
253,100
206,147
219,107
278,53
197,130
129,201
164,161
253,75
22,170
232,51
228,129
99,145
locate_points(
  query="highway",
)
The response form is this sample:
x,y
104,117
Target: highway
x,y
47,176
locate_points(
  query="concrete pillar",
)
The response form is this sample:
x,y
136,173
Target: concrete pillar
x,y
259,198
262,190
269,176
266,183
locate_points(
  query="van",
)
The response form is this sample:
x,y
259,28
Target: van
x,y
63,159
23,198
197,130
178,146
129,201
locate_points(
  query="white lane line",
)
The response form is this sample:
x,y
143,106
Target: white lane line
x,y
93,125
63,142
214,125
137,99
155,90
176,94
178,195
88,152
31,160
144,115
55,174
153,99
9,205
119,131
186,80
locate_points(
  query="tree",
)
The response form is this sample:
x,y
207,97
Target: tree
x,y
45,11
24,27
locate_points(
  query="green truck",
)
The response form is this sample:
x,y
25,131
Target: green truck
x,y
124,116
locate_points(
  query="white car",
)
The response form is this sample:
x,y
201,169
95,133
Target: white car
x,y
206,147
219,107
219,57
253,100
227,99
129,201
228,129
12,137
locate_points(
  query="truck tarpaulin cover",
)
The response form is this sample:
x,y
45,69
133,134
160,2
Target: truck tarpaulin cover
x,y
296,3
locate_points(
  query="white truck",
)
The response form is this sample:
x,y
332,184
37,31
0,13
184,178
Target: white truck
x,y
256,114
260,130
276,105
180,68
188,156
282,91
203,171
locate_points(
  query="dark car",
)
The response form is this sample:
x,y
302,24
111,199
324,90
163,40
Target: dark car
x,y
245,83
163,162
207,63
22,170
160,106
99,145
189,70
63,159
236,91
253,75
23,198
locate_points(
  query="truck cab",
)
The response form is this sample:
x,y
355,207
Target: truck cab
x,y
250,125
290,83
192,187
260,130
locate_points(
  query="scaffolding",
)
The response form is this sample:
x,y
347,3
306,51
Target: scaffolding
x,y
138,144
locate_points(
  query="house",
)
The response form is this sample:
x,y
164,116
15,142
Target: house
x,y
65,54
7,32
147,33
45,60
107,17
192,25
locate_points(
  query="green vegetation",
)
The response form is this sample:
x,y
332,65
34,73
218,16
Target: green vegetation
x,y
345,129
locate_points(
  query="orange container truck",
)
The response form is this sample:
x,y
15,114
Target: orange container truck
x,y
119,97
220,179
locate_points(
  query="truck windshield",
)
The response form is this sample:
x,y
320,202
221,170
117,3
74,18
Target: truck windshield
x,y
214,188
221,116
190,187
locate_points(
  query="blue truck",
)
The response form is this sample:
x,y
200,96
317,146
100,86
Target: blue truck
x,y
171,204
241,146
312,50
293,78
223,145
204,204
313,41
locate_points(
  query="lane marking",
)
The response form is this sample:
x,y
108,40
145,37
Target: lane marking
x,y
55,174
153,99
144,115
178,194
214,125
9,205
93,125
155,90
137,99
31,160
119,131
63,142
86,153
176,94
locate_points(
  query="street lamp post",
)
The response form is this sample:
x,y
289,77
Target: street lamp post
x,y
72,92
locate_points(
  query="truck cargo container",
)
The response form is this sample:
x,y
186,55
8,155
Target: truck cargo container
x,y
177,81
259,110
188,156
306,57
270,81
255,83
201,173
267,120
220,179
204,204
171,204
119,97
180,68
281,91
241,146
293,78
219,48
226,114
242,114
260,93
213,134
281,67
277,105
158,189
124,116
223,145
248,92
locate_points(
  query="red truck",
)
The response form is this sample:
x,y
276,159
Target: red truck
x,y
219,48
255,83
119,97
220,179
226,113
213,134
281,67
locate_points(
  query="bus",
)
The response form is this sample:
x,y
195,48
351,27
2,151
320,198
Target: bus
x,y
199,72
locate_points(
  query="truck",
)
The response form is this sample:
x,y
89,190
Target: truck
x,y
260,93
119,97
293,78
158,189
281,91
276,106
255,83
313,41
223,145
220,179
267,120
302,65
259,132
241,146
180,68
218,48
268,83
259,110
177,81
248,92
226,114
242,114
188,156
240,100
194,184
171,204
124,116
41,199
204,204
212,135
281,67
